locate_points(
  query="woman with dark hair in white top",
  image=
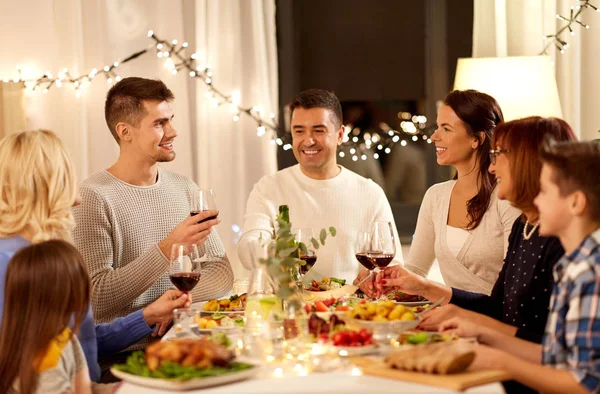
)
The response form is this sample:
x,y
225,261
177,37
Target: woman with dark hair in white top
x,y
462,222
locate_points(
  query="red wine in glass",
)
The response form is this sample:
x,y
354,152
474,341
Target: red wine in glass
x,y
310,261
365,261
381,260
185,281
194,213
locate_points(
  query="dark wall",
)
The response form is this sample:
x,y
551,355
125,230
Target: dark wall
x,y
362,50
459,33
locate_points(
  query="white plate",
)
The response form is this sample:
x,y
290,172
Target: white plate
x,y
396,326
354,351
188,384
337,293
416,303
207,313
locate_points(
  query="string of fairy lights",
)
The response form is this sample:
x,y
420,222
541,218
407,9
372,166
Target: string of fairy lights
x,y
574,19
357,144
177,60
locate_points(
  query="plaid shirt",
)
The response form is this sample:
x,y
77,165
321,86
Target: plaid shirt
x,y
572,338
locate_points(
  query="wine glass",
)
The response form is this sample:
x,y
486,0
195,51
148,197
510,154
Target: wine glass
x,y
362,246
185,266
204,200
309,258
382,245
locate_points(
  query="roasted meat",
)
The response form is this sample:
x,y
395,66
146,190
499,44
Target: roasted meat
x,y
201,353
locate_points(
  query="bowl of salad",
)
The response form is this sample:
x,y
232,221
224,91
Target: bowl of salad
x,y
329,287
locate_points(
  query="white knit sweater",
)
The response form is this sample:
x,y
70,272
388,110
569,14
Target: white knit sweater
x,y
118,228
476,266
348,202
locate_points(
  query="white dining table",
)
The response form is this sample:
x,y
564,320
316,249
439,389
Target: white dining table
x,y
314,383
319,383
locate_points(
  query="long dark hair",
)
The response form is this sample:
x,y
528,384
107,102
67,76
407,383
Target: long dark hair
x,y
479,112
47,285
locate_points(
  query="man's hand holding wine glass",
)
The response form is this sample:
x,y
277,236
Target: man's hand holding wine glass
x,y
192,230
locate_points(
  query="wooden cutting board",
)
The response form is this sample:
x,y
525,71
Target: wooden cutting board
x,y
459,382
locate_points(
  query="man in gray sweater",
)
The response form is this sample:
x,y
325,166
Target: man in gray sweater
x,y
133,212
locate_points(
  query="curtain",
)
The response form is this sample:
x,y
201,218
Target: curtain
x,y
517,28
237,38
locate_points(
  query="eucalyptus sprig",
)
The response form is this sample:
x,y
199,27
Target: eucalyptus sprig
x,y
284,256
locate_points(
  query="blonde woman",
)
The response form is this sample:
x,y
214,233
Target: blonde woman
x,y
37,191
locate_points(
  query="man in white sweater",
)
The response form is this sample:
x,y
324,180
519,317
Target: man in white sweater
x,y
319,192
132,213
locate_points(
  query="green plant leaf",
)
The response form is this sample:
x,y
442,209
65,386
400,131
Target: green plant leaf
x,y
332,231
287,252
281,245
289,262
315,243
303,248
323,236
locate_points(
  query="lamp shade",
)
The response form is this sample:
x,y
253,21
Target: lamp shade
x,y
522,85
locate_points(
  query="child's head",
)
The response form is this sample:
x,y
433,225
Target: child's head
x,y
516,164
47,287
570,185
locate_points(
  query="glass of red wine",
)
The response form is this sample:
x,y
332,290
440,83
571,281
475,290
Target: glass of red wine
x,y
204,200
185,266
362,246
308,257
382,245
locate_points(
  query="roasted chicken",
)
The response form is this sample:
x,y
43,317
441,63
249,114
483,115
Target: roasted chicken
x,y
201,353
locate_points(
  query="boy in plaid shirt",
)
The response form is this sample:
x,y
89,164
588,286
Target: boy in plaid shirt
x,y
569,206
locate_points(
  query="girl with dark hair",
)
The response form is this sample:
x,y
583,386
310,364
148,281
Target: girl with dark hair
x,y
45,355
461,222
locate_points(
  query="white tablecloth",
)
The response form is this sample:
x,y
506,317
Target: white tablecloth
x,y
318,383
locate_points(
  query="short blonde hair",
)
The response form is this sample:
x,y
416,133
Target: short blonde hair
x,y
37,186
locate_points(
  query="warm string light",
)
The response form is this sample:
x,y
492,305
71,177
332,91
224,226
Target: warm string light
x,y
359,144
555,39
176,61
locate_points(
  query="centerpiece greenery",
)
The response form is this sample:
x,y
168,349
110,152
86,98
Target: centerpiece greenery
x,y
283,257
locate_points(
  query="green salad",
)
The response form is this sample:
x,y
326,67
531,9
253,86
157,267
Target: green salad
x,y
136,365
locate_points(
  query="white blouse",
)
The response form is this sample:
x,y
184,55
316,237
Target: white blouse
x,y
456,238
476,265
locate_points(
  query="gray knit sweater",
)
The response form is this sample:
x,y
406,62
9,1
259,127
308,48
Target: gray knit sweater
x,y
118,228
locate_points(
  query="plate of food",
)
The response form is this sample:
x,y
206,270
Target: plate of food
x,y
184,364
407,299
329,288
326,306
205,324
232,305
317,325
350,343
417,337
384,316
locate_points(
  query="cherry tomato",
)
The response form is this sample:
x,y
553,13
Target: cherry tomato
x,y
338,338
329,302
321,307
